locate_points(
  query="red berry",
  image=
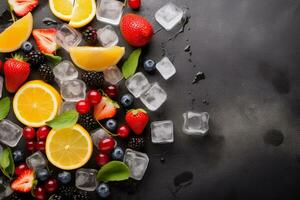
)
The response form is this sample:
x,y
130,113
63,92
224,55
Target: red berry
x,y
39,193
30,145
102,159
83,107
51,185
106,145
20,169
40,145
94,97
134,4
111,91
28,133
43,132
123,131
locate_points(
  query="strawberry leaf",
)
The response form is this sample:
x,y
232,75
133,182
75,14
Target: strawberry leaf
x,y
65,120
130,65
113,171
4,107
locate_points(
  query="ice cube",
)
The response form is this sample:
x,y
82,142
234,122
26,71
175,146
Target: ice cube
x,y
73,90
162,132
36,160
166,68
113,75
86,179
109,11
137,163
10,133
195,123
169,16
65,71
68,37
137,84
5,189
107,36
97,135
67,106
154,97
1,85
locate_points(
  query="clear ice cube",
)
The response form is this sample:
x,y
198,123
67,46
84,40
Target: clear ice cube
x,y
166,68
10,133
1,85
107,36
67,106
113,75
109,11
5,189
73,90
195,123
137,163
68,37
36,160
154,97
162,132
169,16
86,179
65,71
137,84
98,135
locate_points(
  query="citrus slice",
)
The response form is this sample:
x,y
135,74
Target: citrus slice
x,y
62,8
35,103
83,13
96,58
12,37
69,148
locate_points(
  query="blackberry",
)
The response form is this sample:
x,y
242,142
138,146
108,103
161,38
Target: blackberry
x,y
93,79
35,58
88,122
136,143
56,197
81,195
70,192
46,73
90,35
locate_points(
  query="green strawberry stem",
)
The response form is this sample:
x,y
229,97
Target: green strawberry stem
x,y
107,131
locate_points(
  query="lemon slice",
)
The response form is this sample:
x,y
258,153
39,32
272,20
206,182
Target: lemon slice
x,y
69,148
96,58
62,8
83,13
12,38
35,103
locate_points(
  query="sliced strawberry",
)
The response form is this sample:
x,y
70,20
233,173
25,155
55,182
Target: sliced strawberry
x,y
23,7
24,182
106,109
45,40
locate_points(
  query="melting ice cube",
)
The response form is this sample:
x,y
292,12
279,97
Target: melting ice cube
x,y
137,84
73,90
113,75
109,11
10,133
107,36
137,163
195,123
68,37
162,132
166,68
154,97
36,160
86,179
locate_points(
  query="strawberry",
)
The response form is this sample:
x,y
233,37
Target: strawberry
x,y
106,109
137,120
24,182
16,71
23,7
136,30
45,40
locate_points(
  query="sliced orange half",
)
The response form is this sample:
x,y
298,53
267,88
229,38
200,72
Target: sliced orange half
x,y
83,13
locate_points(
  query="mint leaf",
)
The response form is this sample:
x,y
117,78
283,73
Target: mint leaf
x,y
11,168
113,171
7,165
65,120
54,59
4,107
130,65
4,158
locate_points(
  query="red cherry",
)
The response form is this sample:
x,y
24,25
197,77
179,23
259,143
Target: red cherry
x,y
40,193
94,97
28,133
111,91
123,131
20,169
51,185
83,107
106,145
102,159
134,4
40,145
30,145
43,132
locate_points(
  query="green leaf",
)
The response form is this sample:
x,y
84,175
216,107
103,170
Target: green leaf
x,y
65,120
130,65
113,171
7,164
4,107
4,158
54,59
11,168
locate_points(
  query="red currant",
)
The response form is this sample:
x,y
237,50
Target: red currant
x,y
123,131
20,169
102,159
106,145
43,132
83,107
94,97
39,193
30,145
28,133
111,91
51,185
134,4
40,145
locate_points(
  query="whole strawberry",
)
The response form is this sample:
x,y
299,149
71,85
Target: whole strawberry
x,y
136,30
16,72
137,120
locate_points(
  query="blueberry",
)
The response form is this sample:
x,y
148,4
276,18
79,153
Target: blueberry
x,y
42,174
27,47
149,65
127,100
18,155
117,153
64,177
111,125
103,190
